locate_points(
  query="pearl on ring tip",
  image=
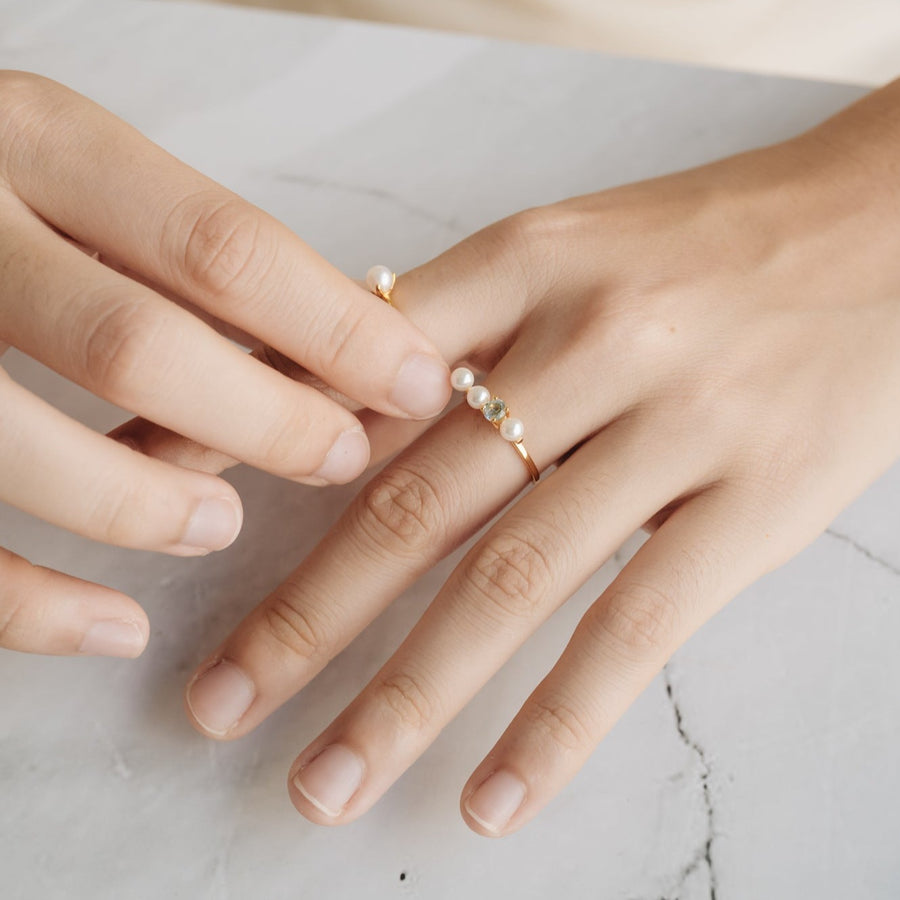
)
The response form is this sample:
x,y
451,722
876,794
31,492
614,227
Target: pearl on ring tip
x,y
380,278
461,379
512,429
477,396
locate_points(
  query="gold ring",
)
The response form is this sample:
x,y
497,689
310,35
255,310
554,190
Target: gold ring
x,y
381,280
496,412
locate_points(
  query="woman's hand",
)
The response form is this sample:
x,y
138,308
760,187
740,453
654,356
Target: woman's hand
x,y
73,176
722,347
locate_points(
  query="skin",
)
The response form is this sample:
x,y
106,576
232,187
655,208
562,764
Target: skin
x,y
176,263
720,347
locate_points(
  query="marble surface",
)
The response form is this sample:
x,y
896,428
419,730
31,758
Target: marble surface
x,y
761,764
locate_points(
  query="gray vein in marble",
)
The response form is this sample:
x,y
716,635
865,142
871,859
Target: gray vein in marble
x,y
863,550
703,855
452,225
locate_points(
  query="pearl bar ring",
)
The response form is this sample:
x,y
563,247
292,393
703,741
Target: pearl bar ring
x,y
496,412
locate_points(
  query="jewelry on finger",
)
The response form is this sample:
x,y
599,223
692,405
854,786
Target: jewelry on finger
x,y
496,412
380,280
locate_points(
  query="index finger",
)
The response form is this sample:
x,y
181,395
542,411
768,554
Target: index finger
x,y
102,182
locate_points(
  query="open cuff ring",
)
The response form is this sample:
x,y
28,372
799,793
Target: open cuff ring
x,y
380,280
496,412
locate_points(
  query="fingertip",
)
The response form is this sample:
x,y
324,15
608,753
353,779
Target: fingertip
x,y
422,387
217,698
346,460
214,524
493,804
124,638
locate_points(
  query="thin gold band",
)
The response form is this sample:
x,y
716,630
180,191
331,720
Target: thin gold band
x,y
529,462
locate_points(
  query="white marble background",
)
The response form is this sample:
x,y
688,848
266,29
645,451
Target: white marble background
x,y
763,764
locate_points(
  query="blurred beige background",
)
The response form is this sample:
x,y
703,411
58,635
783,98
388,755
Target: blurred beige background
x,y
832,40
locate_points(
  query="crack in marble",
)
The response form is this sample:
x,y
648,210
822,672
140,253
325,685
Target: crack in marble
x,y
865,551
704,851
451,225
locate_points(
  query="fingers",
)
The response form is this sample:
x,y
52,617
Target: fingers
x,y
63,472
387,435
123,342
420,507
42,611
701,557
412,514
523,569
75,164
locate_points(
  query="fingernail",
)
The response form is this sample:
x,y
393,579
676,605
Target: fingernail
x,y
331,779
220,696
113,638
496,801
422,388
214,525
346,459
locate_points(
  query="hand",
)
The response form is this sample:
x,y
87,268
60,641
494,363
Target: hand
x,y
721,347
72,176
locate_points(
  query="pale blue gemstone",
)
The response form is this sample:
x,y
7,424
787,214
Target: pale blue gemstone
x,y
494,410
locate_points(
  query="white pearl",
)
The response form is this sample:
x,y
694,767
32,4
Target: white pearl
x,y
461,379
380,277
512,429
477,396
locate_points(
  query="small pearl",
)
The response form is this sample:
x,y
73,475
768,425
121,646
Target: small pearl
x,y
380,277
512,429
477,396
461,379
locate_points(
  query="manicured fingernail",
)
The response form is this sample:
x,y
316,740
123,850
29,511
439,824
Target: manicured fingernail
x,y
346,459
331,779
496,801
214,525
220,696
422,388
114,637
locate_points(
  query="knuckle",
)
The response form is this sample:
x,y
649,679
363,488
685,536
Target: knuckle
x,y
228,246
122,344
24,103
512,573
402,508
558,720
285,442
408,699
12,607
516,243
119,517
641,619
341,345
24,622
294,627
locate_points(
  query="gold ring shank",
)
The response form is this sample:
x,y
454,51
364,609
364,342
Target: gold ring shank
x,y
529,462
